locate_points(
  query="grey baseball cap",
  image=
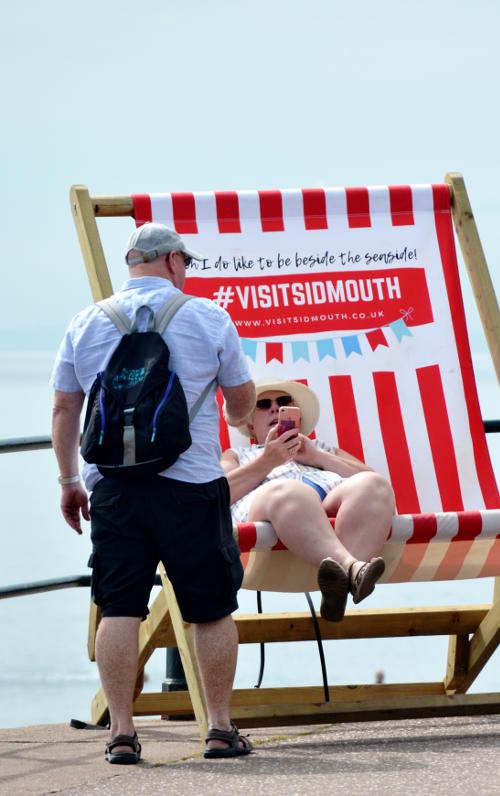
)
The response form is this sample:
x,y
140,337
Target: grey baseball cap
x,y
152,240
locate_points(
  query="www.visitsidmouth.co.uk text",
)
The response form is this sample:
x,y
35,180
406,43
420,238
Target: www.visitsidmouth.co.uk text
x,y
304,319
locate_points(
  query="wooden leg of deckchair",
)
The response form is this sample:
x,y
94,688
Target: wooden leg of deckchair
x,y
139,683
94,619
480,648
475,262
184,634
90,242
458,659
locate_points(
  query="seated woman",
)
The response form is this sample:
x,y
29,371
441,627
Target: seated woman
x,y
296,484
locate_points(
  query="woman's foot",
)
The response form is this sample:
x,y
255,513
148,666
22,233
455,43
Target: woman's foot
x,y
333,582
363,582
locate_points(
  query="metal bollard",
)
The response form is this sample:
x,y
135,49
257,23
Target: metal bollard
x,y
175,680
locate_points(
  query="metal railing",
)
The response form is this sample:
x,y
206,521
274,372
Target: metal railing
x,y
16,444
53,584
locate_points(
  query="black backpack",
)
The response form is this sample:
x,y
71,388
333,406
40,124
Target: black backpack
x,y
137,419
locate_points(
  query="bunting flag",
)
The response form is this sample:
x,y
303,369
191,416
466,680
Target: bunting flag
x,y
249,348
351,344
400,329
376,338
274,351
301,349
325,349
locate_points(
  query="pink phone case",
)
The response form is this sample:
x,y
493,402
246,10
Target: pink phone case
x,y
288,418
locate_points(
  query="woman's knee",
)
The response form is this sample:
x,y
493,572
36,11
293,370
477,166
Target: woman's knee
x,y
280,497
378,490
369,487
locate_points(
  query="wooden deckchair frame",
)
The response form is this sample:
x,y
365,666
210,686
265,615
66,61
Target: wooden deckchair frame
x,y
474,631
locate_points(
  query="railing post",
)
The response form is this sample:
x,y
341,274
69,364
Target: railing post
x,y
175,679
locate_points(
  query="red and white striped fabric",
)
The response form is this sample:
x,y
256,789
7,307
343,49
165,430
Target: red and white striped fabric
x,y
421,547
355,291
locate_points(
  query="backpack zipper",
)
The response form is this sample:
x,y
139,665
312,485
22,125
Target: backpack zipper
x,y
101,407
158,408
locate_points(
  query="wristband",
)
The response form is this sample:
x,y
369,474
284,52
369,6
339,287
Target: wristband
x,y
70,479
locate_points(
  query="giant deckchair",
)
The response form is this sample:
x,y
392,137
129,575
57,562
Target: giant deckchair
x,y
356,292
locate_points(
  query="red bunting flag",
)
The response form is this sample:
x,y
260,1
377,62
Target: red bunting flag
x,y
376,338
274,351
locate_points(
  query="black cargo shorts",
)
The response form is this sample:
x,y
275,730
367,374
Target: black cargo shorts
x,y
186,526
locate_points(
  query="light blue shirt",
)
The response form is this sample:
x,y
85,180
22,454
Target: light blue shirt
x,y
204,345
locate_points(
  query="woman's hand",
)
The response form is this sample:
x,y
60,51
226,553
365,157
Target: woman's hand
x,y
308,453
336,461
245,477
279,450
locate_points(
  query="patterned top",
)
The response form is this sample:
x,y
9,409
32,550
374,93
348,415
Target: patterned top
x,y
323,478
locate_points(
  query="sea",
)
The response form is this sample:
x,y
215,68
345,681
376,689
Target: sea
x,y
45,674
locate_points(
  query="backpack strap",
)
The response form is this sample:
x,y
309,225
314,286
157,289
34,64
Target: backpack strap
x,y
197,404
167,312
163,318
115,313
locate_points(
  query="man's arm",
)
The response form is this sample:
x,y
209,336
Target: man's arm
x,y
239,402
65,440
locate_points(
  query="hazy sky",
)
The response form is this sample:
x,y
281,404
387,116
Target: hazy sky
x,y
169,95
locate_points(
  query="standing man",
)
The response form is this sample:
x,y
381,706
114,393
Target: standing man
x,y
180,516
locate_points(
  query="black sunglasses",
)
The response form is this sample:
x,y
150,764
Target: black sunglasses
x,y
187,260
281,400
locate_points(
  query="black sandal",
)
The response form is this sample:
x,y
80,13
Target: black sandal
x,y
364,583
237,744
125,758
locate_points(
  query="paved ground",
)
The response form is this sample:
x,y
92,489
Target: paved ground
x,y
424,756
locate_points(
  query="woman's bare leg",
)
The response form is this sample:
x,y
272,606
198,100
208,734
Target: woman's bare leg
x,y
299,519
363,506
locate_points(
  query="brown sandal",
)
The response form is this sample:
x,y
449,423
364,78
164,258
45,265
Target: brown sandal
x,y
364,583
236,744
333,582
125,758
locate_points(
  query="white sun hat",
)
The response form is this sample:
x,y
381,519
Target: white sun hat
x,y
302,396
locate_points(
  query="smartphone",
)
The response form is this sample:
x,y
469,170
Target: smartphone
x,y
288,418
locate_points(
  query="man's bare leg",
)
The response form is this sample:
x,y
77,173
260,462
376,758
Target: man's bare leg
x,y
116,655
216,645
